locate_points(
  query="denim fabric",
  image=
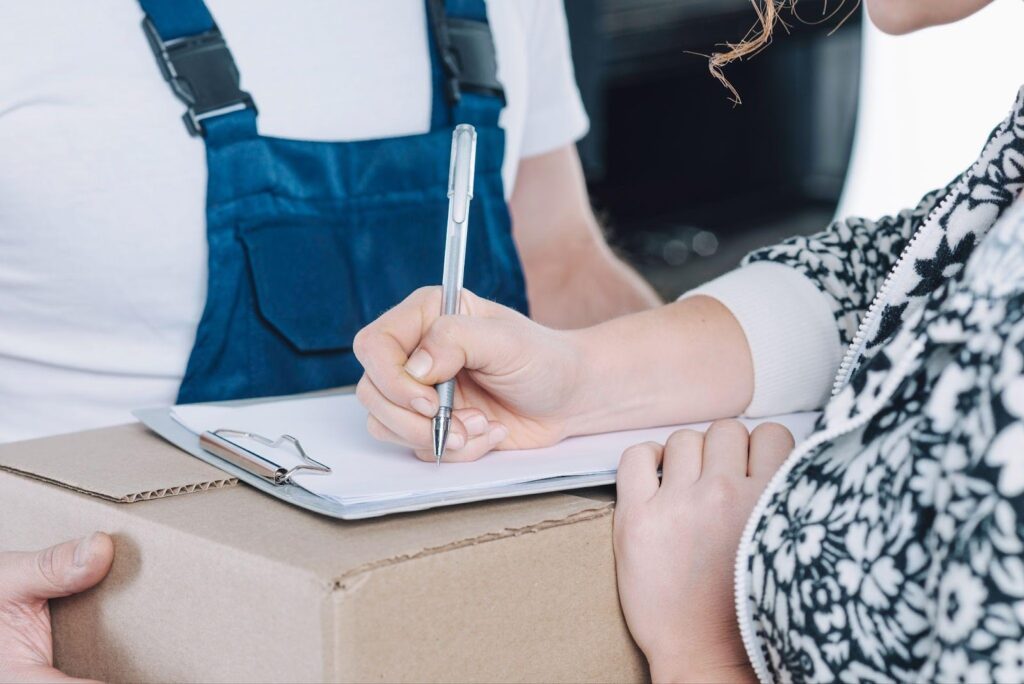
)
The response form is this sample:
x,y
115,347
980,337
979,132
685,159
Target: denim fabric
x,y
310,241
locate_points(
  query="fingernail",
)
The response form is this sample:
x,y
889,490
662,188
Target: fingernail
x,y
497,435
455,441
83,551
419,364
475,425
423,406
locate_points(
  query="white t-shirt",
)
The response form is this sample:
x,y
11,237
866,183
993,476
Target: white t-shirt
x,y
102,191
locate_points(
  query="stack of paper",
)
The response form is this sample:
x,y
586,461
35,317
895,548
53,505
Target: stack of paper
x,y
333,430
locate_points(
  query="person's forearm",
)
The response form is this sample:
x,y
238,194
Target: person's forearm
x,y
573,279
583,285
683,362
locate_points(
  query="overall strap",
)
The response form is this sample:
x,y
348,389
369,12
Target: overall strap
x,y
196,61
464,65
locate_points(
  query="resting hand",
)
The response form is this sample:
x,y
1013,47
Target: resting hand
x,y
27,582
515,377
676,541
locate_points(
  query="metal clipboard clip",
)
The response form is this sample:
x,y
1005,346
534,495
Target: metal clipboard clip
x,y
252,462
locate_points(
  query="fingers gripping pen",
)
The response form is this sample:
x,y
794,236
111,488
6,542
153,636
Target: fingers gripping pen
x,y
460,192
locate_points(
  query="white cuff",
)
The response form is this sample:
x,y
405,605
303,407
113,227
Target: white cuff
x,y
792,334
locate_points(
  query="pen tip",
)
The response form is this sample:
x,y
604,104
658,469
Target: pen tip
x,y
440,432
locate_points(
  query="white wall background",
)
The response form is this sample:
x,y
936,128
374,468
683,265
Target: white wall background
x,y
927,103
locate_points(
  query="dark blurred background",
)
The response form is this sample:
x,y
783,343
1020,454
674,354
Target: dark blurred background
x,y
684,181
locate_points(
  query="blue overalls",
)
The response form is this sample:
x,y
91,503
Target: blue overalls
x,y
310,241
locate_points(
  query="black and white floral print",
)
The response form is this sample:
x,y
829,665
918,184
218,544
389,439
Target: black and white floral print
x,y
891,546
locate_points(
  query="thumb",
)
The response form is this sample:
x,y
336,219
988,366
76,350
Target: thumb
x,y
57,571
452,343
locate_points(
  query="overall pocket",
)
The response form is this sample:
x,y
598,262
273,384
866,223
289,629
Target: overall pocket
x,y
319,279
304,287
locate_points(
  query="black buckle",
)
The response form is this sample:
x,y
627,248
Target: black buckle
x,y
202,73
468,59
471,48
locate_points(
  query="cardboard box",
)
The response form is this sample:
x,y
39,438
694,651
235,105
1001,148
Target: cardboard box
x,y
214,581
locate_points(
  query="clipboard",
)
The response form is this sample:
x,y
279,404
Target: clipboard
x,y
269,478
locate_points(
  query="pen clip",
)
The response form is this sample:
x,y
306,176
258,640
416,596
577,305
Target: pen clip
x,y
461,171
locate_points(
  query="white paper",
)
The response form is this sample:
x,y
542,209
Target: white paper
x,y
333,430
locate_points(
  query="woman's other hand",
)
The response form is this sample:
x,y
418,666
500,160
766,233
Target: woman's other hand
x,y
27,582
676,543
515,384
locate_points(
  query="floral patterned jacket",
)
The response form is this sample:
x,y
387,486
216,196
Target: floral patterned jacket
x,y
890,546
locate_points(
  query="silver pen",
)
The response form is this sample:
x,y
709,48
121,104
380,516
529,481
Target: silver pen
x,y
460,192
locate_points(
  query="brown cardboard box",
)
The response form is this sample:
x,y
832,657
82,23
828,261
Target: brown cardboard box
x,y
214,581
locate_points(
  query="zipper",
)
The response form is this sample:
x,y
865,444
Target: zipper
x,y
856,349
741,595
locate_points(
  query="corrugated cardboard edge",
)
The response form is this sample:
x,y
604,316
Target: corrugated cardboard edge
x,y
352,577
134,496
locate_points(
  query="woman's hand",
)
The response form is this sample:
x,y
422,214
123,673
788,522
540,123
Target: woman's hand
x,y
676,542
515,385
521,385
27,582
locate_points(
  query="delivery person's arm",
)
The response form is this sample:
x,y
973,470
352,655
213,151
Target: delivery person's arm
x,y
27,582
573,279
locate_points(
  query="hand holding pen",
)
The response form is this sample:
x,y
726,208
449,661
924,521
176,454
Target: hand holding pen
x,y
517,376
517,380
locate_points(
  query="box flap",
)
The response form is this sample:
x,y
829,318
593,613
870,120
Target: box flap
x,y
334,551
129,463
124,464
